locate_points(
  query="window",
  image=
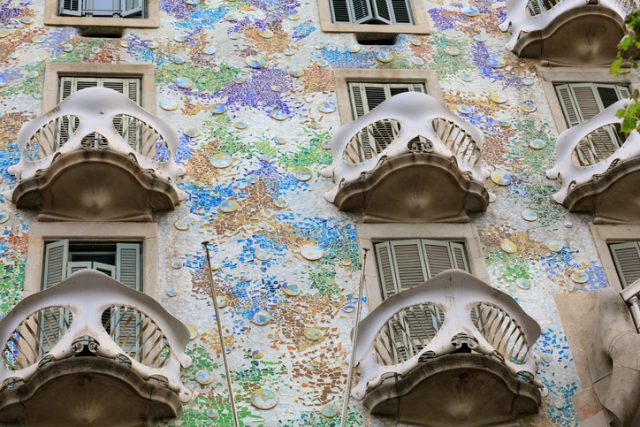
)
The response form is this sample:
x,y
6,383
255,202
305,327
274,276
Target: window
x,y
626,257
102,8
403,264
121,261
581,102
364,96
371,11
103,18
127,127
374,21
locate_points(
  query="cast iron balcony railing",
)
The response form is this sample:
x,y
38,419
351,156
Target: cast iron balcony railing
x,y
97,131
382,161
450,325
566,31
597,168
90,325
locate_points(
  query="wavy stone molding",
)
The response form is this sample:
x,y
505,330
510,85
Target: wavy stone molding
x,y
75,163
63,356
608,184
475,367
566,32
408,160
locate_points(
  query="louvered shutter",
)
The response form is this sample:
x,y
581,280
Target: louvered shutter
x,y
361,11
71,7
382,11
51,320
568,105
438,256
56,255
119,85
626,257
128,268
65,125
358,109
459,256
74,266
386,269
131,7
340,10
623,92
383,132
409,263
401,11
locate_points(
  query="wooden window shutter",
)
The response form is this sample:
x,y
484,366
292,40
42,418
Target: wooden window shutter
x,y
340,10
51,320
361,11
74,266
56,255
128,271
568,105
409,262
71,7
382,11
623,91
459,256
401,11
386,269
131,7
438,256
626,257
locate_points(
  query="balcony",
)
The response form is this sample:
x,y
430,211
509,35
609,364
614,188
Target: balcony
x,y
566,32
452,351
97,156
408,160
598,168
90,351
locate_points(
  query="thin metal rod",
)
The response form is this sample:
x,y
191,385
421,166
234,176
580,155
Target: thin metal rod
x,y
347,391
214,297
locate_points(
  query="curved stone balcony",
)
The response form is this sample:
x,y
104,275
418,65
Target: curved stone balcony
x,y
97,156
599,169
452,351
566,32
90,351
408,160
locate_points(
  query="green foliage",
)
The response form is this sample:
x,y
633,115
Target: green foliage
x,y
627,49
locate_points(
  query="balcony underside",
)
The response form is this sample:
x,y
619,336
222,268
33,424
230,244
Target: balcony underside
x,y
95,185
414,188
455,390
87,391
612,198
588,35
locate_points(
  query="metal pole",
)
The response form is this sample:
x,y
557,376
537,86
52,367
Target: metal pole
x,y
214,297
347,392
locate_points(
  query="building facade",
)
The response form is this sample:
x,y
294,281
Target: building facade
x,y
452,175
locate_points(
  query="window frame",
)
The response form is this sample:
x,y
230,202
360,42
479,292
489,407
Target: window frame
x,y
421,22
370,234
344,76
42,233
56,70
603,236
552,76
151,19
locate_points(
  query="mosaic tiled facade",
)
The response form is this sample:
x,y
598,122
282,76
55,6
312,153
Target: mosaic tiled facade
x,y
248,84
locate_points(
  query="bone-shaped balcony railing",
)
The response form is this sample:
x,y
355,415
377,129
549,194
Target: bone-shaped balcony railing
x,y
98,119
405,123
525,16
437,318
590,149
90,311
